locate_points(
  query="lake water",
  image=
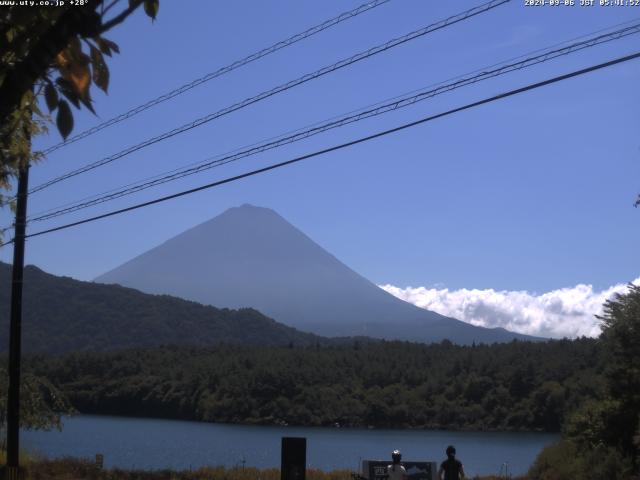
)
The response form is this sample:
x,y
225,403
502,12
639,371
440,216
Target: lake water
x,y
155,444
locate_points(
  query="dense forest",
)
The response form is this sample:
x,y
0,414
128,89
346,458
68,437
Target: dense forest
x,y
515,386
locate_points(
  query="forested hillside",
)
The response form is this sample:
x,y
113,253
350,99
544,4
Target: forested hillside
x,y
515,386
63,315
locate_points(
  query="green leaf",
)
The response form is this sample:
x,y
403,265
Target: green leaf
x,y
37,112
68,91
11,35
64,119
112,45
106,46
26,100
87,102
103,45
75,49
100,69
151,8
51,96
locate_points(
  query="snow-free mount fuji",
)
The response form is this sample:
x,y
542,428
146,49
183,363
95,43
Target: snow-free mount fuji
x,y
252,257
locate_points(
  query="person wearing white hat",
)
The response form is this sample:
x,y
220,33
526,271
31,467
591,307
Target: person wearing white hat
x,y
396,471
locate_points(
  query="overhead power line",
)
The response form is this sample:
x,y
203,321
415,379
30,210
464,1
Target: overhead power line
x,y
334,148
221,71
572,42
379,109
281,88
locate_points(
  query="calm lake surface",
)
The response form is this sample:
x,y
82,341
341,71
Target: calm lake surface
x,y
155,444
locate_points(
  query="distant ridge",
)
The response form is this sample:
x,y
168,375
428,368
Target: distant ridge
x,y
252,257
64,315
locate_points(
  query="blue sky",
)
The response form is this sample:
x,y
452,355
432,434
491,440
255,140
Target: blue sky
x,y
531,193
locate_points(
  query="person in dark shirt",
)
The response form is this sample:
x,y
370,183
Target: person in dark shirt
x,y
451,469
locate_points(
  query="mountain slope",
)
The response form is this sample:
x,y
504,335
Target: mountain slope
x,y
251,257
61,315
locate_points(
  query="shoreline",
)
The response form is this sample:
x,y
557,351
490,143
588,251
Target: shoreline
x,y
333,426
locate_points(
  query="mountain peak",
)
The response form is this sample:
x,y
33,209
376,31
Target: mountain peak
x,y
246,214
248,208
251,206
250,256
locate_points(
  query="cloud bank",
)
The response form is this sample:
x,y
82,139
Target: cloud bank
x,y
566,312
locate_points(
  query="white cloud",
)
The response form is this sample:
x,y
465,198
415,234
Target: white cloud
x,y
566,312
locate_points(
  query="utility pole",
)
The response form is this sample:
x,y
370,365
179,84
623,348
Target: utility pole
x,y
15,329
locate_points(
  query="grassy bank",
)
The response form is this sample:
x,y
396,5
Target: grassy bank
x,y
80,469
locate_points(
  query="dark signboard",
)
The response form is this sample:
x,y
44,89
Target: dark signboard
x,y
377,470
294,458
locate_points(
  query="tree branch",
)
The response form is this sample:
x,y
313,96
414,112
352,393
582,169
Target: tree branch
x,y
121,17
109,7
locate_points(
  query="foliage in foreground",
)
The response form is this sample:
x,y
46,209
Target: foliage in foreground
x,y
55,53
42,404
564,460
601,439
